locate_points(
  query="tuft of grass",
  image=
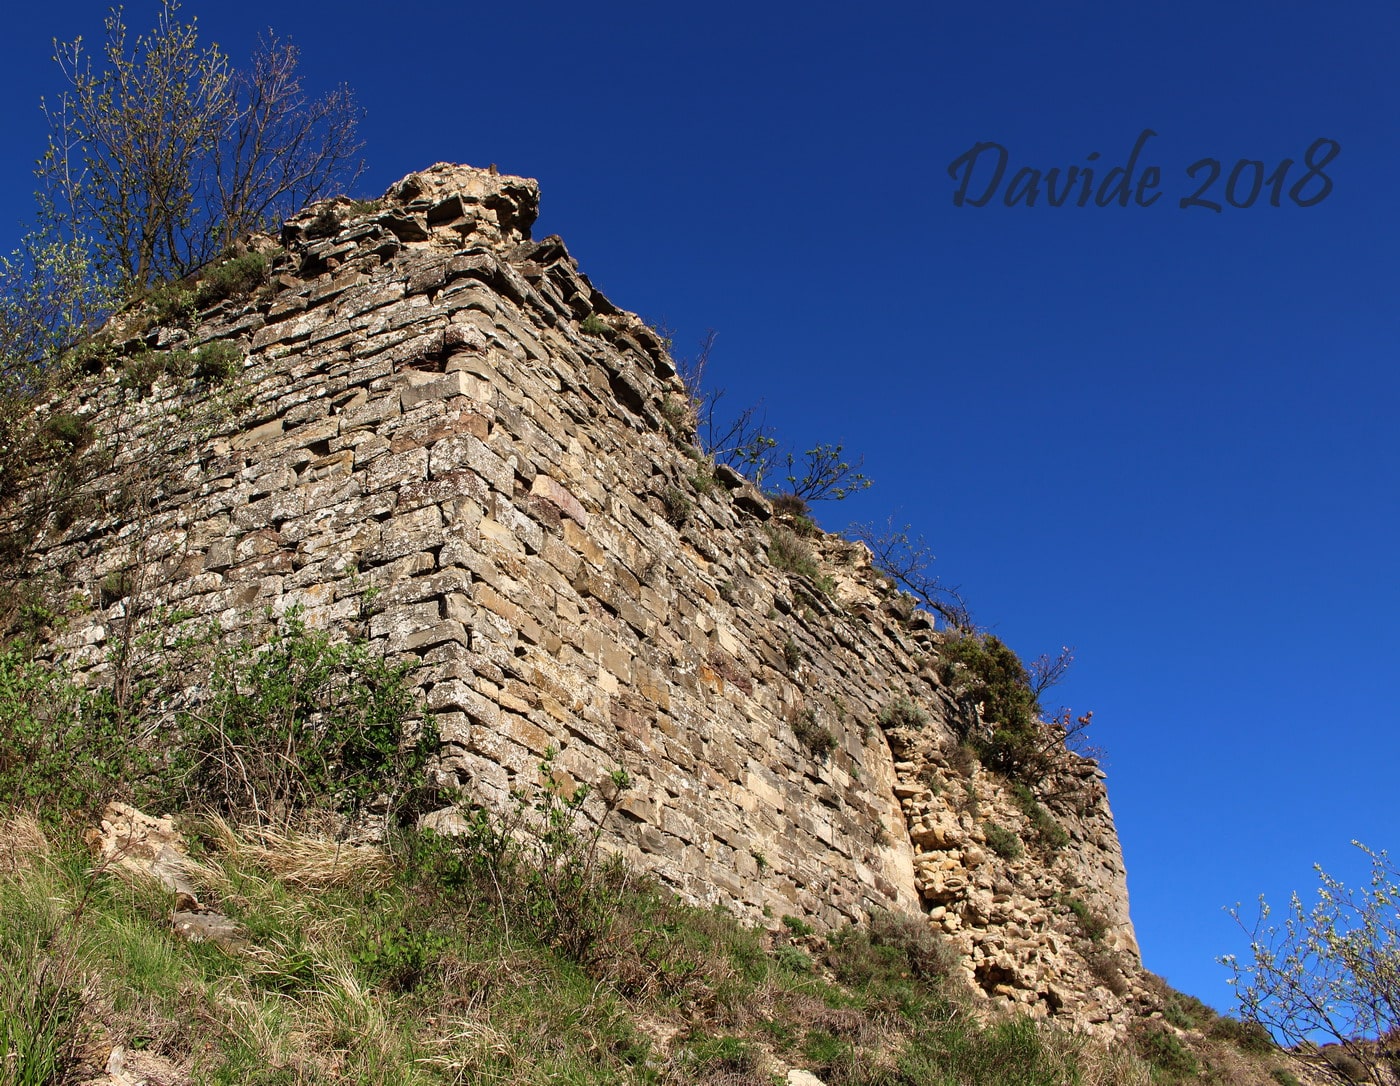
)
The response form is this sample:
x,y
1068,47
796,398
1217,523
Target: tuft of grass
x,y
676,506
790,554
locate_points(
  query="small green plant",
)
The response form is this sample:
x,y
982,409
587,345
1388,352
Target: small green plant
x,y
1002,841
796,926
792,958
1094,926
704,480
593,325
725,1054
902,713
792,654
218,362
811,734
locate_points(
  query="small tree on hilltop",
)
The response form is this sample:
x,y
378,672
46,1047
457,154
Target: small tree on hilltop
x,y
1332,972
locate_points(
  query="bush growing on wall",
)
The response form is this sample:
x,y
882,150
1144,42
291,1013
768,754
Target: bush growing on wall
x,y
301,722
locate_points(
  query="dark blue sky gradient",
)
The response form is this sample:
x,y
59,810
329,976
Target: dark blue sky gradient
x,y
1164,436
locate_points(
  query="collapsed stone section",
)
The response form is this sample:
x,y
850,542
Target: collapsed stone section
x,y
445,438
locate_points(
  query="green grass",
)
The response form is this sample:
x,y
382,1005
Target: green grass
x,y
431,965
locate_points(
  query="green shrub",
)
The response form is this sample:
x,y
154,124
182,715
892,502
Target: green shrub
x,y
1047,830
218,362
1107,967
1246,1036
1094,926
141,371
926,953
797,926
789,505
1351,1068
1002,841
1010,738
67,434
63,750
793,959
1165,1052
902,713
301,722
792,654
171,304
593,325
233,278
326,224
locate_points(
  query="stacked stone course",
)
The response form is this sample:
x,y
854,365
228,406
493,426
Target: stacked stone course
x,y
425,446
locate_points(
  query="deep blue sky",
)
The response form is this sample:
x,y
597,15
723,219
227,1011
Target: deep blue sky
x,y
1164,436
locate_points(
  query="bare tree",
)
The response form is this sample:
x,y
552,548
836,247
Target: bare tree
x,y
906,561
282,150
1048,671
128,141
744,440
1329,972
50,295
163,153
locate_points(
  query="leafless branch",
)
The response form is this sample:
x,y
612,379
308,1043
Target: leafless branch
x,y
906,561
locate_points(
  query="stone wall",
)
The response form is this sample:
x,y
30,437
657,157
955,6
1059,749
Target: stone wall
x,y
443,437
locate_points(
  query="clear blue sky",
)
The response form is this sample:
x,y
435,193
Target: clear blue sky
x,y
1164,436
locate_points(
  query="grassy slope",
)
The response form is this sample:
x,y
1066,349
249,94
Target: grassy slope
x,y
442,964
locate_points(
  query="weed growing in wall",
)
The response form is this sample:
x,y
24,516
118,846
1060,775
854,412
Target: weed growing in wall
x,y
812,734
790,554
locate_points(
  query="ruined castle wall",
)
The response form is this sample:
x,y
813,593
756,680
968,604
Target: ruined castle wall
x,y
444,438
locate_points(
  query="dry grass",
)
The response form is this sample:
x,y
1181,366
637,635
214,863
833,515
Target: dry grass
x,y
23,843
300,860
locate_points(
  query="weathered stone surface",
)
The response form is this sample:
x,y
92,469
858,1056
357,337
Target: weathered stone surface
x,y
422,420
